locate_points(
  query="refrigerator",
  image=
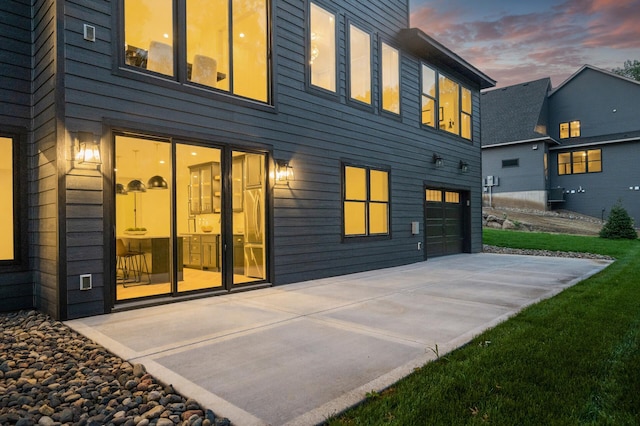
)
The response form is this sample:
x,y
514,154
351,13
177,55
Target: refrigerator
x,y
254,217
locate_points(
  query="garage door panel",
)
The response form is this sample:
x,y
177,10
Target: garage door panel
x,y
444,224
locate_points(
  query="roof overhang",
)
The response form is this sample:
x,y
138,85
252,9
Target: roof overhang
x,y
426,47
542,139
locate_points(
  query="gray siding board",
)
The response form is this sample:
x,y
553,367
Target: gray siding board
x,y
316,132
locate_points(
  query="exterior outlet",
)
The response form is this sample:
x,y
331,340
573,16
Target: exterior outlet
x,y
419,245
89,33
85,282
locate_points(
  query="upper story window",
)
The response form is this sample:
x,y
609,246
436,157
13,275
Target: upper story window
x,y
575,162
359,65
366,201
570,129
452,101
322,48
227,45
7,200
390,77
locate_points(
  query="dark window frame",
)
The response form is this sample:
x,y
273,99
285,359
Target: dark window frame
x,y
179,79
383,111
569,129
349,22
368,237
20,257
436,100
571,162
318,90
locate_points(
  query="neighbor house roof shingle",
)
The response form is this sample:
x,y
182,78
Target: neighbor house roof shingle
x,y
512,114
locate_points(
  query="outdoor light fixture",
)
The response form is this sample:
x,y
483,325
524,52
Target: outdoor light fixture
x,y
464,167
437,160
87,149
284,172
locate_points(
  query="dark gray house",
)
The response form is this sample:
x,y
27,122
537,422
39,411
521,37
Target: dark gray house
x,y
157,150
571,147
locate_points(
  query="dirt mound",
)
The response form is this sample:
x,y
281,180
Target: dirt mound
x,y
557,221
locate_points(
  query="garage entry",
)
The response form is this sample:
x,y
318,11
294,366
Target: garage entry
x,y
446,230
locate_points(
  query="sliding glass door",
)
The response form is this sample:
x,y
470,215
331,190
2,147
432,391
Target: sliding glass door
x,y
177,229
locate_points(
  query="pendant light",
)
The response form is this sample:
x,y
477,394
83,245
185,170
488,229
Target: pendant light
x,y
157,181
121,190
136,185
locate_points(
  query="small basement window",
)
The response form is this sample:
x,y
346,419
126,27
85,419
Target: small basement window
x,y
512,162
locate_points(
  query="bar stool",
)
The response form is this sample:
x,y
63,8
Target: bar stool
x,y
131,263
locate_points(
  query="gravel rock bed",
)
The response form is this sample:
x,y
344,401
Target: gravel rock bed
x,y
505,250
50,375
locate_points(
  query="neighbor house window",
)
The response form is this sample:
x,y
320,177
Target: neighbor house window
x,y
390,79
576,162
359,65
570,129
511,162
366,201
322,48
449,103
7,198
227,42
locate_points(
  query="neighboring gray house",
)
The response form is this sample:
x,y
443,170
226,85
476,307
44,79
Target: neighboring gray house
x,y
157,150
574,147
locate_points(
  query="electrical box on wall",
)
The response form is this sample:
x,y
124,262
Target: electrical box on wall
x,y
85,282
415,228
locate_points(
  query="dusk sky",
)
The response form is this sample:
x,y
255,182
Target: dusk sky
x,y
517,41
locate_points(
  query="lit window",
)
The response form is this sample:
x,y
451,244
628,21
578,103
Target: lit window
x,y
570,129
148,35
577,162
366,201
448,99
322,48
465,113
7,249
452,101
434,195
390,79
452,197
429,97
360,65
564,163
224,52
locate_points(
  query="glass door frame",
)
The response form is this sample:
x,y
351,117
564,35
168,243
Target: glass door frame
x,y
226,234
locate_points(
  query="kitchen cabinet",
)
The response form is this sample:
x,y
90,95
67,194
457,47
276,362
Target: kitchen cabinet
x,y
204,188
201,252
209,252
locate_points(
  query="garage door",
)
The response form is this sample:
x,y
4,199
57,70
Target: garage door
x,y
444,222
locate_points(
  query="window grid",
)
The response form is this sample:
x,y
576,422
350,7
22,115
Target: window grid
x,y
451,100
570,129
578,162
366,202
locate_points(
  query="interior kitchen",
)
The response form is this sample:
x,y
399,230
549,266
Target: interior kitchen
x,y
146,195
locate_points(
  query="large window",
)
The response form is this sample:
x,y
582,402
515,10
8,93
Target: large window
x,y
322,48
570,129
359,65
449,104
576,162
226,42
390,79
7,236
366,201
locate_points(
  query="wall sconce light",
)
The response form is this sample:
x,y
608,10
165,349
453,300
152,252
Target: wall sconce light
x,y
464,167
284,172
87,149
437,160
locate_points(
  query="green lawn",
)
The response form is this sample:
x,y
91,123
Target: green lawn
x,y
572,359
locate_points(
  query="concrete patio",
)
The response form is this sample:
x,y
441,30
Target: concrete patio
x,y
298,353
